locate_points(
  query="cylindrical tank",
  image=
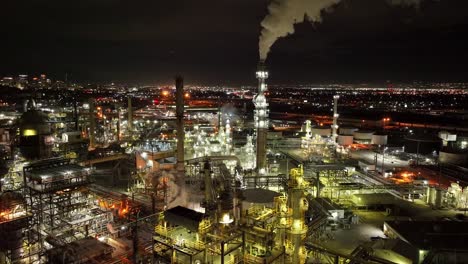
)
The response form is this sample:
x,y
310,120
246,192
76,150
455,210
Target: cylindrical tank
x,y
322,131
348,130
428,195
363,135
452,157
345,140
379,139
433,196
438,198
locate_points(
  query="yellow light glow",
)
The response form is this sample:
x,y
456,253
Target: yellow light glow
x,y
29,132
226,219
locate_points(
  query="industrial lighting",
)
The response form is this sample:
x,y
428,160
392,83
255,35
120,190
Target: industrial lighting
x,y
226,219
29,132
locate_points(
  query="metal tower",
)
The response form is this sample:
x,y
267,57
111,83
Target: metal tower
x,y
261,116
335,117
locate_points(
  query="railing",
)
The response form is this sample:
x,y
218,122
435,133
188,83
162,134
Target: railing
x,y
250,259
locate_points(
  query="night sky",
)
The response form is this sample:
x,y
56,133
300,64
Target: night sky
x,y
216,41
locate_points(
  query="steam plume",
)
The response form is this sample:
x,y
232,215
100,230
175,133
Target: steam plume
x,y
283,14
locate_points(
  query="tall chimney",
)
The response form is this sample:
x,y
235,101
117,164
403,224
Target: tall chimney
x,y
180,122
130,116
335,117
92,123
261,117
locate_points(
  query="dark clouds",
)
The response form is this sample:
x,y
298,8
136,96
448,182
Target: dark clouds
x,y
215,41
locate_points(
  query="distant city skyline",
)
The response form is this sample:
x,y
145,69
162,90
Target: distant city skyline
x,y
216,42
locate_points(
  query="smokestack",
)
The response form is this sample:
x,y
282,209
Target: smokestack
x,y
335,117
261,116
180,122
91,123
75,110
284,14
130,116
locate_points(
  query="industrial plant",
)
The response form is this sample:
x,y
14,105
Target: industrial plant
x,y
177,177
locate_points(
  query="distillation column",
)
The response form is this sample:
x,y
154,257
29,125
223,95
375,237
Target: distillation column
x,y
180,122
299,205
261,117
335,117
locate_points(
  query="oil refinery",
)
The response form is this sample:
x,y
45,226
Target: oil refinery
x,y
186,179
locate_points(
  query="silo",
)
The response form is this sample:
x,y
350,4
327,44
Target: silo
x,y
379,139
344,140
348,130
322,131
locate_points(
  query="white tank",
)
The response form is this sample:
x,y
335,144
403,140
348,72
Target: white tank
x,y
379,139
438,198
363,135
433,196
322,131
347,130
428,195
447,157
345,140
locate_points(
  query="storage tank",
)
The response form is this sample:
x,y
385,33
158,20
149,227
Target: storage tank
x,y
35,140
433,196
428,195
322,131
345,140
438,198
348,130
379,139
453,157
363,135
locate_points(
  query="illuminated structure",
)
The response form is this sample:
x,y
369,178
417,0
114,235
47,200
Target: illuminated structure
x,y
14,219
61,209
92,125
335,118
299,205
261,117
35,133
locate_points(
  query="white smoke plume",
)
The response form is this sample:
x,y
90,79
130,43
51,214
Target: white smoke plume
x,y
283,14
